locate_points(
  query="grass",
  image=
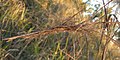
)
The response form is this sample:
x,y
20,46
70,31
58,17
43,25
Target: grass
x,y
62,39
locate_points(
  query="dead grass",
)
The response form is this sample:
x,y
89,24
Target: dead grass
x,y
54,30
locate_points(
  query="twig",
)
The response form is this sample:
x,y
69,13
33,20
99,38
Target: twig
x,y
106,27
69,18
52,30
45,32
68,55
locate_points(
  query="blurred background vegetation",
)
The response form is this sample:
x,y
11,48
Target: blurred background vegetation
x,y
18,17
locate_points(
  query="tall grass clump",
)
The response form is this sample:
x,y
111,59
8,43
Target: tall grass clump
x,y
56,30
